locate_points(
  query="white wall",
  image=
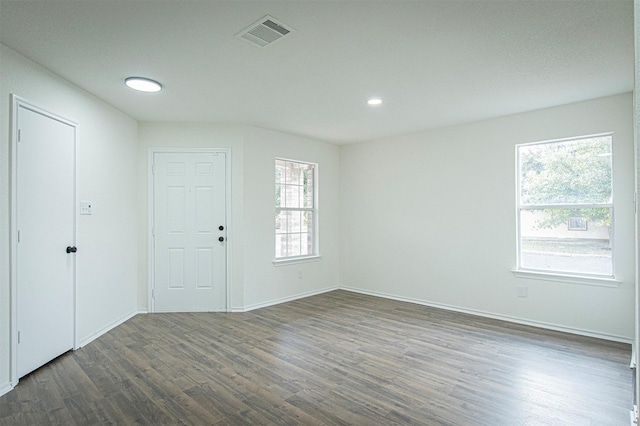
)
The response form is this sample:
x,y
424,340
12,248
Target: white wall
x,y
192,135
106,176
255,281
404,217
430,217
264,282
112,174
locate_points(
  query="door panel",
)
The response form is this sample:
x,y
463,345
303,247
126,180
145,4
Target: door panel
x,y
204,256
45,183
188,208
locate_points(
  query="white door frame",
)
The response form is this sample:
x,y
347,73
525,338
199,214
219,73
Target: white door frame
x,y
16,103
150,216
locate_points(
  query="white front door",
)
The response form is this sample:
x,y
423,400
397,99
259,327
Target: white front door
x,y
189,229
45,223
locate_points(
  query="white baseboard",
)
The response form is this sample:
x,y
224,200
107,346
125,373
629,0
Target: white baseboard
x,y
106,329
507,318
5,388
516,320
284,299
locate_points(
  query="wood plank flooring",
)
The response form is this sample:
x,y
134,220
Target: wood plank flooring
x,y
334,359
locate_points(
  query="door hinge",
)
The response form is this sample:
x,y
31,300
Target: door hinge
x,y
19,135
153,231
18,235
18,337
153,293
153,169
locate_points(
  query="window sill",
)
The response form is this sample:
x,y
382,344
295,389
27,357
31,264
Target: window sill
x,y
294,260
567,278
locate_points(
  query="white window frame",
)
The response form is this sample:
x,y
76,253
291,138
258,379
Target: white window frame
x,y
551,275
277,261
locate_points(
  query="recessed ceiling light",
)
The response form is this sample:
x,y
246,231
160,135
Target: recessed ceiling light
x,y
143,84
374,101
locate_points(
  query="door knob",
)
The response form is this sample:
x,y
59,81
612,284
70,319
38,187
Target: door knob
x,y
221,228
71,249
221,239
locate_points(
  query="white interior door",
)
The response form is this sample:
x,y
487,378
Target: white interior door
x,y
189,229
45,220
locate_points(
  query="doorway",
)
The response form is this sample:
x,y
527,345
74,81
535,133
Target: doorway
x,y
188,231
43,237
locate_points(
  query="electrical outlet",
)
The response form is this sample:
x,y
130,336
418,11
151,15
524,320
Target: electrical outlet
x,y
522,291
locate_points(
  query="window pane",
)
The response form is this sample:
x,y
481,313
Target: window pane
x,y
293,173
294,245
310,240
575,171
280,171
294,221
281,222
292,196
304,244
294,190
278,195
307,196
567,240
281,245
306,222
307,175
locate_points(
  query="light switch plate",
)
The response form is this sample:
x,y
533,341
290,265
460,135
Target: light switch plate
x,y
85,207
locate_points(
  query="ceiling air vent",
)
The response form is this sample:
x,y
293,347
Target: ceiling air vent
x,y
264,32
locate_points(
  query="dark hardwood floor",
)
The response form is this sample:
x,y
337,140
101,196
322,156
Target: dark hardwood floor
x,y
335,359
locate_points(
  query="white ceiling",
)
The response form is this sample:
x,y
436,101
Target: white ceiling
x,y
435,63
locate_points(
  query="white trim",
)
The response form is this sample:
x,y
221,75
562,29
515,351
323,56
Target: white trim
x,y
150,218
107,328
150,236
522,207
5,388
294,260
16,103
566,206
566,278
285,299
516,320
315,210
571,138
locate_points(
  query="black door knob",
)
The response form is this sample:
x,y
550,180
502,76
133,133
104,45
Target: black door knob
x,y
221,228
221,239
71,249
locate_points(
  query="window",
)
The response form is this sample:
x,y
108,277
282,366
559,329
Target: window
x,y
295,209
565,206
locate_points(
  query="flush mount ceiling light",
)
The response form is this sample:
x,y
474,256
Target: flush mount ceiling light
x,y
143,84
374,101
